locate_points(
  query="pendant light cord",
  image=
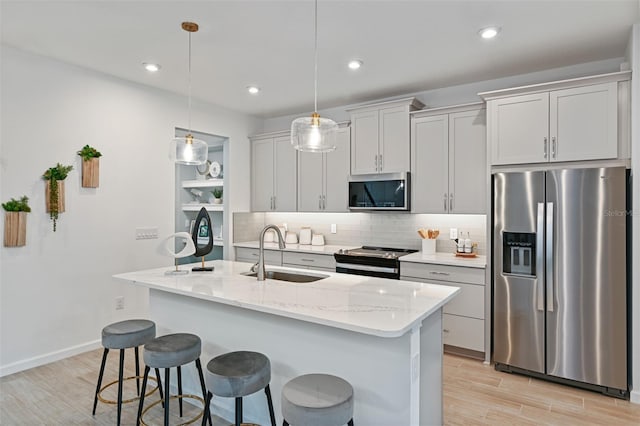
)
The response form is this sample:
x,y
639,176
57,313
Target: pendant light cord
x,y
315,48
189,82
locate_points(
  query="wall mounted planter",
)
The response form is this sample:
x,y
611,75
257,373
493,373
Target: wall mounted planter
x,y
47,198
15,229
91,173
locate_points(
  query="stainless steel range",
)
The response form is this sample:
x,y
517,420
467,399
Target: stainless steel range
x,y
371,261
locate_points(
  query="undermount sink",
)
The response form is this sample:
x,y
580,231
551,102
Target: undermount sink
x,y
291,277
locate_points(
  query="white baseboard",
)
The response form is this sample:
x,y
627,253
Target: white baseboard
x,y
635,396
37,361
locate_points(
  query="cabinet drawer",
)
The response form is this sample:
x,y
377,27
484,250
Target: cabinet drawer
x,y
430,271
469,302
309,260
271,257
463,332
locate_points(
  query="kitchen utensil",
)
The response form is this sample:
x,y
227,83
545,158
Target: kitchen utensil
x,y
305,235
291,238
317,240
435,233
422,233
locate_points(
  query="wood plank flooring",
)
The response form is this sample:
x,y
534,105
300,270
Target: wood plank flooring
x,y
61,393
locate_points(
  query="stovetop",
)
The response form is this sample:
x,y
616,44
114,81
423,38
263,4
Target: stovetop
x,y
378,252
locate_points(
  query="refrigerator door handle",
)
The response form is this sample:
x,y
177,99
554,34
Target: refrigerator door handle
x,y
540,258
549,259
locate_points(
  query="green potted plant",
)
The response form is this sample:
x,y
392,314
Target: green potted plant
x,y
15,221
90,166
54,190
217,196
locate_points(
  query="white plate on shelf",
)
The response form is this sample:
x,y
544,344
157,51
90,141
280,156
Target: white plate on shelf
x,y
215,169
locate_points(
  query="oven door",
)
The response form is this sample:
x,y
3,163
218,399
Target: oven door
x,y
368,270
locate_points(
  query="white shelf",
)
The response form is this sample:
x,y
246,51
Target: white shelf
x,y
196,207
206,183
218,242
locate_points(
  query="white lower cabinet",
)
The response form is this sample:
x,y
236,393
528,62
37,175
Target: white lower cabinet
x,y
463,317
271,257
320,262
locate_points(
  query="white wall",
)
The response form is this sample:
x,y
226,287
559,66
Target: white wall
x,y
56,293
634,61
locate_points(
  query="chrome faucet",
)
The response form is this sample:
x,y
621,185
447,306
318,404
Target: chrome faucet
x,y
259,267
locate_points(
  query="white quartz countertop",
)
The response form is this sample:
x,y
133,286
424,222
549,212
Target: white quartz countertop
x,y
303,248
376,306
446,259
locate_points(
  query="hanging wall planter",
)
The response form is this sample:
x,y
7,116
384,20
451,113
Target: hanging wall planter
x,y
15,222
90,166
54,190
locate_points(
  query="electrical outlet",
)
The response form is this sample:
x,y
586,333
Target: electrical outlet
x,y
119,303
334,228
147,233
453,233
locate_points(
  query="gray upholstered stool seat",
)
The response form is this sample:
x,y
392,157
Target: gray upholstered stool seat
x,y
123,335
172,350
128,334
317,400
238,374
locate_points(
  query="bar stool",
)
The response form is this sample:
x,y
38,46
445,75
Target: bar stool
x,y
172,350
317,400
124,335
238,374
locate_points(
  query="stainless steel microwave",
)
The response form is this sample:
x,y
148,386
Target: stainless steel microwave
x,y
389,191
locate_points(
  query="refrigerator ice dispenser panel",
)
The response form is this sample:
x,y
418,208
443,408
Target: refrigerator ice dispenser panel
x,y
519,250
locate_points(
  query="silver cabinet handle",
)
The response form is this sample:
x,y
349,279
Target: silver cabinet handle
x,y
319,202
549,260
545,148
308,260
450,203
553,146
274,202
324,202
381,162
445,202
446,330
375,161
540,258
439,273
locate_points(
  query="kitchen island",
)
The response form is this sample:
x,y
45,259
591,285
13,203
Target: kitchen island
x,y
383,336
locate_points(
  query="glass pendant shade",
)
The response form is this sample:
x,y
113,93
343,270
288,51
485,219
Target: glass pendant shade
x,y
314,134
189,150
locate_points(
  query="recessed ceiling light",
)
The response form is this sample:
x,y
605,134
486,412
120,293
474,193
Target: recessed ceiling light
x,y
489,32
253,89
355,64
151,67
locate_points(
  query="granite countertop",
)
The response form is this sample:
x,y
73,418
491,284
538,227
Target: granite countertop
x,y
441,258
326,249
375,306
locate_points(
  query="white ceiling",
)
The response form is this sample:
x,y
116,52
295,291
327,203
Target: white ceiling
x,y
406,46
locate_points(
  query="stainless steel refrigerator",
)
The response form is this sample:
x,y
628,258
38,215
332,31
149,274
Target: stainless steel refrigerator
x,y
560,276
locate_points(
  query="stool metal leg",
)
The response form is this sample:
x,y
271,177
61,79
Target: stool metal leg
x,y
350,422
207,413
270,403
180,389
137,371
284,423
104,361
205,394
144,389
238,411
160,386
120,374
166,396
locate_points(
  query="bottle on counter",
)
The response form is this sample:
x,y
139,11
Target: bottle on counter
x,y
468,245
460,244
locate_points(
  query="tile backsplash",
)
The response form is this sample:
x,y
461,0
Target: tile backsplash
x,y
379,229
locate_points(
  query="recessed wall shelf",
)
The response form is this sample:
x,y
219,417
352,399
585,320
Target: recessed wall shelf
x,y
207,183
195,207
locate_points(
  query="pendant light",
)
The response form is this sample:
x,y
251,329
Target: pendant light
x,y
187,149
314,134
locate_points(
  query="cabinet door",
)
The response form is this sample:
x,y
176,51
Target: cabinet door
x,y
584,123
429,176
364,143
519,129
336,173
310,183
467,162
394,144
285,191
261,174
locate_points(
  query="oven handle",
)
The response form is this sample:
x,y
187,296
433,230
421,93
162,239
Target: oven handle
x,y
369,268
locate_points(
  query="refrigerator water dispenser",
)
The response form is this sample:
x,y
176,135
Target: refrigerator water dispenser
x,y
519,253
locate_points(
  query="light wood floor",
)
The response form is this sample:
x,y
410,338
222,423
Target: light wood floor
x,y
61,393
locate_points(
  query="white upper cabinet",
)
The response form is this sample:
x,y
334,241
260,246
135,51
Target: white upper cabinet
x,y
573,120
380,137
449,166
273,174
322,178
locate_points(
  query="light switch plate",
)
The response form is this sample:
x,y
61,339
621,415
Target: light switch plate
x,y
334,228
453,233
150,233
